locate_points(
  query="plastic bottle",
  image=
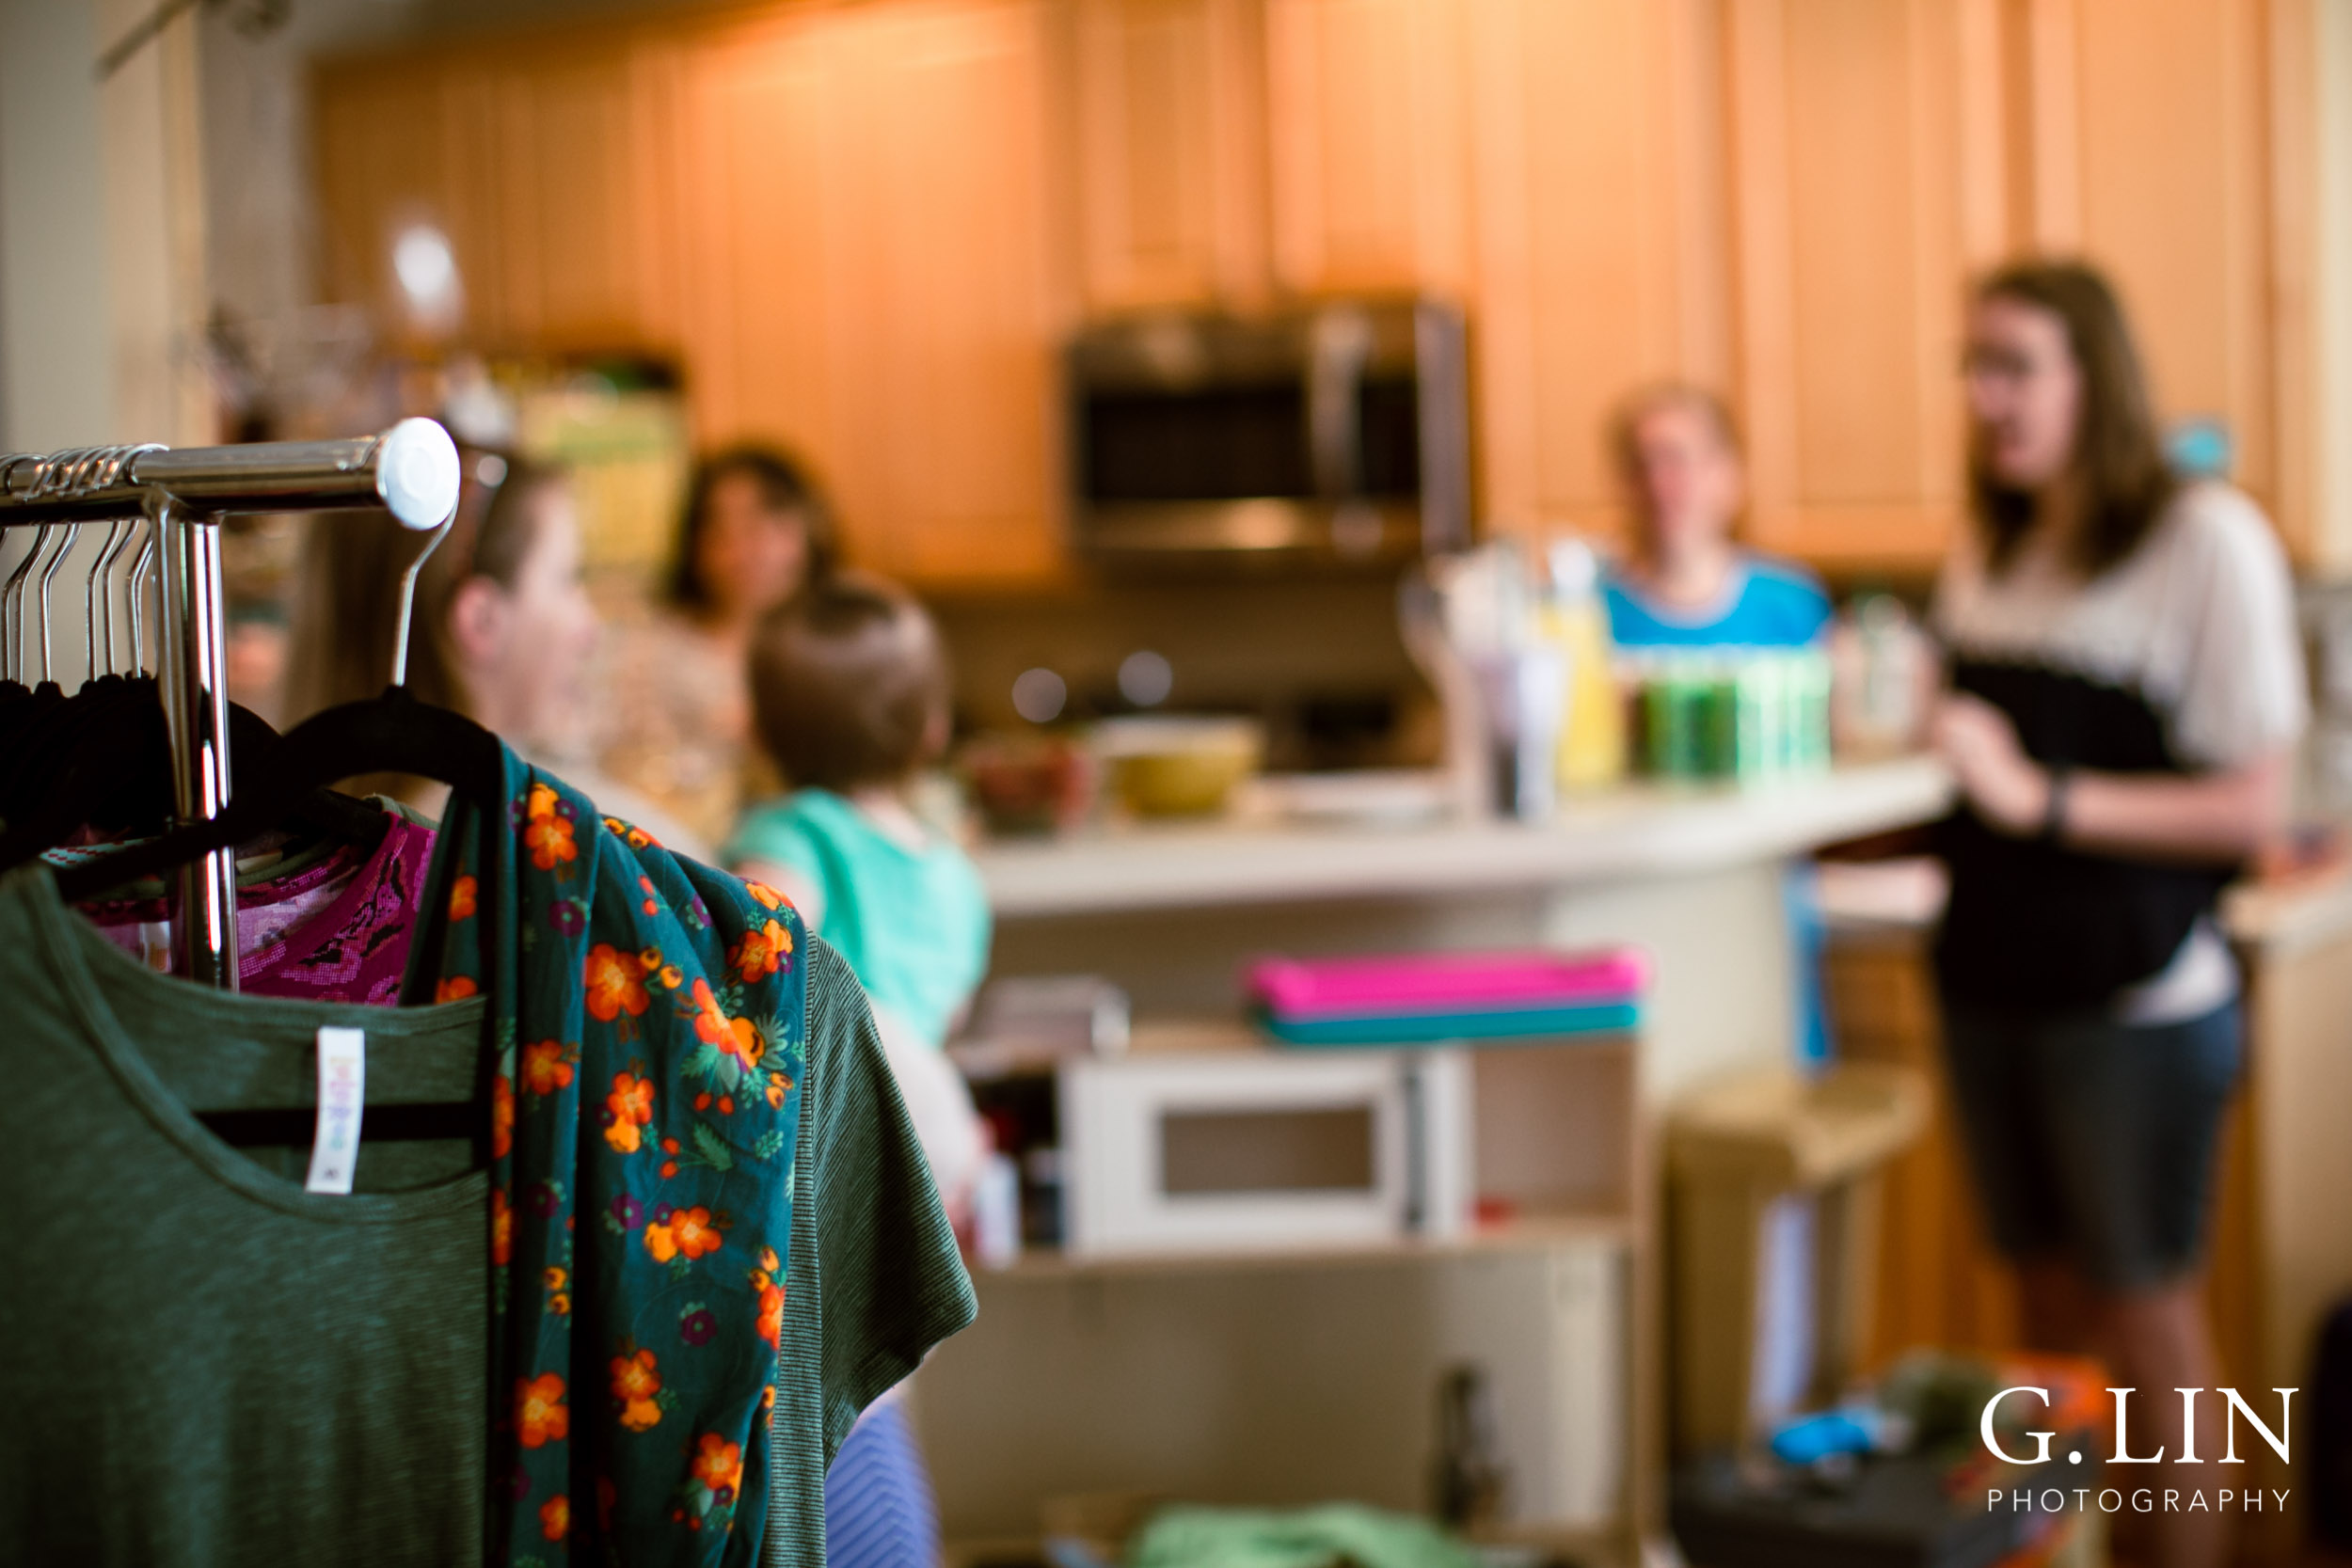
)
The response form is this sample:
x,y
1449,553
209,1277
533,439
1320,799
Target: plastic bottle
x,y
1592,746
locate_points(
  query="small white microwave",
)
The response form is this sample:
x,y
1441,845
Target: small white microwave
x,y
1233,1150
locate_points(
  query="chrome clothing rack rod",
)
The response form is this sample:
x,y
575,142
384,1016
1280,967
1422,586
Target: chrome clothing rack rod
x,y
195,690
409,470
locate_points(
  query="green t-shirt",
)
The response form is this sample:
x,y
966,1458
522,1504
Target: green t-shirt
x,y
209,1365
913,923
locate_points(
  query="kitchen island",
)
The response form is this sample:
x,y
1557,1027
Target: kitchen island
x,y
1694,874
1641,830
1092,1378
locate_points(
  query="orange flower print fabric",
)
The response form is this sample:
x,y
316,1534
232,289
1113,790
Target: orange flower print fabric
x,y
682,1235
547,1067
637,1390
626,1110
647,1015
761,951
718,1475
616,984
540,1414
502,1115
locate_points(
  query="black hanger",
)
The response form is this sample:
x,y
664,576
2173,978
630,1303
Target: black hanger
x,y
40,738
111,769
390,734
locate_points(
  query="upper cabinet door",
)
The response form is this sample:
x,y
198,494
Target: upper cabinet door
x,y
761,253
392,151
1169,98
542,169
2170,145
1865,142
1596,165
868,272
576,195
1366,120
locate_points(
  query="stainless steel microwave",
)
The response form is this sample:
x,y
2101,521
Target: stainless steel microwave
x,y
1335,432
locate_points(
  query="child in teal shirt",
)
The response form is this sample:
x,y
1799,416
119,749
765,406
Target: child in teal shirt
x,y
850,697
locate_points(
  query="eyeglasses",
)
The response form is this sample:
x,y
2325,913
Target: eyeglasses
x,y
2000,364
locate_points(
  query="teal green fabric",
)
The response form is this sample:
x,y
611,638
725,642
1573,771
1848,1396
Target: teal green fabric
x,y
876,1277
258,1374
1499,1025
218,1367
646,1018
1328,1537
913,924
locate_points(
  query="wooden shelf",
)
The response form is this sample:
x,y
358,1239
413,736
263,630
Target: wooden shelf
x,y
1534,1233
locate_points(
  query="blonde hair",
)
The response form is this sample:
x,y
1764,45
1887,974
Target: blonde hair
x,y
1625,425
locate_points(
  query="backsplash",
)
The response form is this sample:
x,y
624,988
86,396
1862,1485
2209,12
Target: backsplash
x,y
1319,661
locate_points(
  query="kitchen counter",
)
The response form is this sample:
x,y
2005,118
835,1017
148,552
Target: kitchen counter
x,y
1695,876
1638,831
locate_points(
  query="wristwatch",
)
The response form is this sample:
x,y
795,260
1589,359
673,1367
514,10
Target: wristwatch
x,y
2054,807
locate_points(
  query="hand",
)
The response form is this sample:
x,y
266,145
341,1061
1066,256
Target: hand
x,y
2003,786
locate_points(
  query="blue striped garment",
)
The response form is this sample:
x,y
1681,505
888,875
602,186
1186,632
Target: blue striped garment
x,y
879,1508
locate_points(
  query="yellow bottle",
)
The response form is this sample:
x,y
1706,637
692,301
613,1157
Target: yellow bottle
x,y
1592,731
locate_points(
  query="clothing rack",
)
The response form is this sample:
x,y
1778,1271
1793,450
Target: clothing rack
x,y
409,470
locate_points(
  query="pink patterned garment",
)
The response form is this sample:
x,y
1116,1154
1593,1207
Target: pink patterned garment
x,y
337,931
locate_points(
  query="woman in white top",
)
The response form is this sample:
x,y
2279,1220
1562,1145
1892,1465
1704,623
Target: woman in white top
x,y
2127,692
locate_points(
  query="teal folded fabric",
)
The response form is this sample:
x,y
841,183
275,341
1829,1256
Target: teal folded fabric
x,y
1527,1023
1322,1537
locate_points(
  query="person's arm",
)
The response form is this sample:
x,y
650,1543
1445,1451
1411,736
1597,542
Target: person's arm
x,y
2221,815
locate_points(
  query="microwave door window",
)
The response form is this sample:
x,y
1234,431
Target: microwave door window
x,y
1274,1152
1211,444
1387,438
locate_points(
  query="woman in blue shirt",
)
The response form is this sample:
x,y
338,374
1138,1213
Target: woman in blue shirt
x,y
1684,583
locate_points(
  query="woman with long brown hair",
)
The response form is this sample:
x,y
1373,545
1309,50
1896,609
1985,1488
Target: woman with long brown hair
x,y
501,629
755,531
2127,691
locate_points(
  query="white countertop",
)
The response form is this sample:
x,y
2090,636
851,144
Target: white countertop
x,y
2292,916
1642,830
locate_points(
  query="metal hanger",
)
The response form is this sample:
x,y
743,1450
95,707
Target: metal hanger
x,y
48,576
142,572
12,605
102,596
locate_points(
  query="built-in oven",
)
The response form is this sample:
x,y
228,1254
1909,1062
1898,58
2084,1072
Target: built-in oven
x,y
1336,432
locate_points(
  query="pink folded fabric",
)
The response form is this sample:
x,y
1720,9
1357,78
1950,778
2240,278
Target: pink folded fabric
x,y
1418,982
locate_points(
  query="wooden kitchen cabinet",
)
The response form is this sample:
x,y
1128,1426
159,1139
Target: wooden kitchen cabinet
x,y
867,277
1231,149
866,230
542,168
391,147
1883,155
2172,140
575,176
1865,162
1171,152
1596,165
1366,117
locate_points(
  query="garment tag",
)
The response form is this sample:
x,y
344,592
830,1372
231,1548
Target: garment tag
x,y
343,1092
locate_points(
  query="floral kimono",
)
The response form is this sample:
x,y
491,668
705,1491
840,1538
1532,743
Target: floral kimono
x,y
647,1017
